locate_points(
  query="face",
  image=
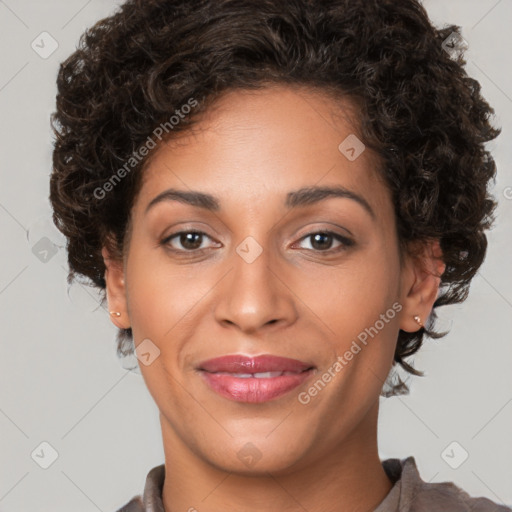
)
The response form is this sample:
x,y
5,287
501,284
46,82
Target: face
x,y
255,235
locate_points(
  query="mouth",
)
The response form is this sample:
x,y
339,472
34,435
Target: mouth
x,y
254,379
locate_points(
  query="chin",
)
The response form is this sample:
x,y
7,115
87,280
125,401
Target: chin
x,y
258,455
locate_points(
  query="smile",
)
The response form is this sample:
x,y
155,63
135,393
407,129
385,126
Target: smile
x,y
254,379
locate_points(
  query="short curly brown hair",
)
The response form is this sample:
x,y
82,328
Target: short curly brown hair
x,y
419,111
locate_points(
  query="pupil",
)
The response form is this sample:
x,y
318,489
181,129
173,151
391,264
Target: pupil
x,y
319,238
191,240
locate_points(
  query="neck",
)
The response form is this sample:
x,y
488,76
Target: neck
x,y
346,477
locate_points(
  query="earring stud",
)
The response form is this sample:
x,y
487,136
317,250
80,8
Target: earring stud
x,y
417,319
115,313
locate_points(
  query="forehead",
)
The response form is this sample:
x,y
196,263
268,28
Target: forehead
x,y
258,145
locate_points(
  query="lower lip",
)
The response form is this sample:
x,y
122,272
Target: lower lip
x,y
252,389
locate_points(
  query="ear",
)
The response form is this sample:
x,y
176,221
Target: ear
x,y
116,290
421,278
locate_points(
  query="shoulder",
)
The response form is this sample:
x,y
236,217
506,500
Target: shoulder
x,y
134,505
420,496
447,495
151,498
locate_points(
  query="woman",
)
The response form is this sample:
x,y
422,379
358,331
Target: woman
x,y
274,196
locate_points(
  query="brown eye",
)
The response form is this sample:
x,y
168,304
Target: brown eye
x,y
187,241
191,240
323,241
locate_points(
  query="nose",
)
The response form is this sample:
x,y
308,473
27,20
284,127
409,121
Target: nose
x,y
254,295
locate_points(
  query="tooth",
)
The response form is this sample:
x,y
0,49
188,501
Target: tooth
x,y
260,375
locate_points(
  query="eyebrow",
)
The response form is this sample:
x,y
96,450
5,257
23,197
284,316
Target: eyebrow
x,y
302,197
199,199
310,195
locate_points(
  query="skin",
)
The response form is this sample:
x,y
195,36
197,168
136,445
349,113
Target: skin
x,y
297,300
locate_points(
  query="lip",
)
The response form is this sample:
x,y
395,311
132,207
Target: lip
x,y
218,375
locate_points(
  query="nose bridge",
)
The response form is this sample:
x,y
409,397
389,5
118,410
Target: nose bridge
x,y
252,296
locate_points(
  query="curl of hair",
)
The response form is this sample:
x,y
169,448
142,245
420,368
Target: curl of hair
x,y
419,111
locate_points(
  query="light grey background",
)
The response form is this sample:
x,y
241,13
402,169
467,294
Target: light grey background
x,y
61,381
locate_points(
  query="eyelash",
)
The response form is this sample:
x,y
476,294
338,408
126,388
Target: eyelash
x,y
345,242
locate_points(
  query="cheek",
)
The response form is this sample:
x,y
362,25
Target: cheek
x,y
351,297
359,305
161,302
161,297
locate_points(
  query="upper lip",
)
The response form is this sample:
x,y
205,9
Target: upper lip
x,y
238,363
